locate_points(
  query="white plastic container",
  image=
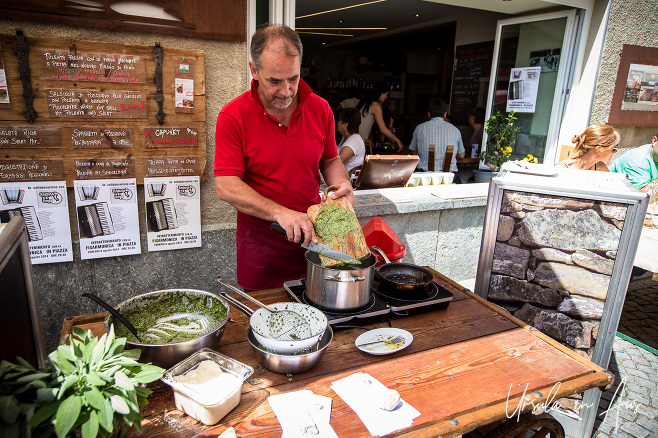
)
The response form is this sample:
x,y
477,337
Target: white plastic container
x,y
206,402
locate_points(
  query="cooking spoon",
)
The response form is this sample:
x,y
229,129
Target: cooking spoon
x,y
114,312
285,325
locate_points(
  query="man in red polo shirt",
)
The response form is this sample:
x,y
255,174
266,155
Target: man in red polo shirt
x,y
270,143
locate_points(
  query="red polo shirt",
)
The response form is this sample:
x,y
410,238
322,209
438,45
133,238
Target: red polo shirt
x,y
279,162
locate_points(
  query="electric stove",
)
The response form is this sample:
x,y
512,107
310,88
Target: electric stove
x,y
385,303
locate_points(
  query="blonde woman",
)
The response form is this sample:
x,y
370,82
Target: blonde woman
x,y
594,147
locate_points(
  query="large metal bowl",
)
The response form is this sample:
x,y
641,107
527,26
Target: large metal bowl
x,y
290,363
166,355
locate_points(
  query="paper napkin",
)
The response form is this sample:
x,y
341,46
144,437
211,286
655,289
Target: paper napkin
x,y
362,393
303,414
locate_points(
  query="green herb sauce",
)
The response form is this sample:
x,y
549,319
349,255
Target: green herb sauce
x,y
170,303
334,221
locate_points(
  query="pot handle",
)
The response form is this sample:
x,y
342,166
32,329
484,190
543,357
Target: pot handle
x,y
345,280
237,304
379,251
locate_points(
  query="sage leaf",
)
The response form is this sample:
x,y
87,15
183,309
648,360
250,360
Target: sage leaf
x,y
119,405
94,398
89,350
96,379
149,373
122,381
106,415
45,412
69,382
89,428
9,409
33,376
64,365
46,395
79,332
66,352
22,362
66,415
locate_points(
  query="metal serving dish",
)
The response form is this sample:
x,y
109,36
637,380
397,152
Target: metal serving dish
x,y
166,355
290,363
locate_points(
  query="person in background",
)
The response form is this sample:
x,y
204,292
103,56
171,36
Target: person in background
x,y
350,102
371,112
352,149
594,147
641,167
269,144
440,133
476,120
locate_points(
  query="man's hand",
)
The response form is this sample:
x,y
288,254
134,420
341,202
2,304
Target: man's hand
x,y
345,189
296,223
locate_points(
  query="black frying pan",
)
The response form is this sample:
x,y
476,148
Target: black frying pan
x,y
402,276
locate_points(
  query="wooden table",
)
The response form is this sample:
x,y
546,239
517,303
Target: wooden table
x,y
469,365
647,247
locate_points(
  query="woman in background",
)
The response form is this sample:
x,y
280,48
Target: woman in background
x,y
352,149
476,120
371,112
594,147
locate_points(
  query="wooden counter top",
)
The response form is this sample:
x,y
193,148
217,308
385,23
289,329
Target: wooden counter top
x,y
458,372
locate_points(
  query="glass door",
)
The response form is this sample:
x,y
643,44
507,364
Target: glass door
x,y
531,75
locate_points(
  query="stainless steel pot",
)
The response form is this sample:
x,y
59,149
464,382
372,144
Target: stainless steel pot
x,y
285,363
167,355
339,289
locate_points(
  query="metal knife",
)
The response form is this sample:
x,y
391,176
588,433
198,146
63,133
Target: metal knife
x,y
320,248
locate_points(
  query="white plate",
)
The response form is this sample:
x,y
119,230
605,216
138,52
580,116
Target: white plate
x,y
381,334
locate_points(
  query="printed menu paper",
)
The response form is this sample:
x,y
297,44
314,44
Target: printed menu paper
x,y
108,222
522,90
173,212
44,207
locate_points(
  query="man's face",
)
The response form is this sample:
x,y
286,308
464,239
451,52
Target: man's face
x,y
278,76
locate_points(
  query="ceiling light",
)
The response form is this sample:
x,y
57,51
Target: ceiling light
x,y
341,28
141,9
322,33
340,9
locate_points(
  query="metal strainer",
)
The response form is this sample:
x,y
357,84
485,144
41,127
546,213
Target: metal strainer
x,y
285,325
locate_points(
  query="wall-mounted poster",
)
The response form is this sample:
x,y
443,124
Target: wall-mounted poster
x,y
108,222
641,91
548,60
635,98
45,209
522,89
173,212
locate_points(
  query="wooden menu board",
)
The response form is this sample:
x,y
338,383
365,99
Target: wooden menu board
x,y
96,112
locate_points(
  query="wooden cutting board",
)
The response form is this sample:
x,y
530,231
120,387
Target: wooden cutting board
x,y
338,228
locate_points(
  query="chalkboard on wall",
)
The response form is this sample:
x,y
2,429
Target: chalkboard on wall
x,y
472,62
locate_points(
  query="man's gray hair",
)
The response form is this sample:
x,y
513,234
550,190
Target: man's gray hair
x,y
273,32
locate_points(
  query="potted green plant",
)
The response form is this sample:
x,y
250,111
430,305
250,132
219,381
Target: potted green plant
x,y
500,137
90,387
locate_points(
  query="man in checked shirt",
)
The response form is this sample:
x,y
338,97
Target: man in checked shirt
x,y
440,133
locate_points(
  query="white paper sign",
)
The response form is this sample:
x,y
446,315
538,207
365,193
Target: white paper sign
x,y
173,212
108,223
184,96
522,90
44,207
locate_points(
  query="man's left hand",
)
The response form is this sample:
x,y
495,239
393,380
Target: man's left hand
x,y
345,189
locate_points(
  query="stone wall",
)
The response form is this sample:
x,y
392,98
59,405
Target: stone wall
x,y
551,267
552,263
